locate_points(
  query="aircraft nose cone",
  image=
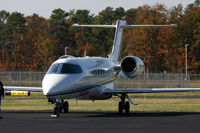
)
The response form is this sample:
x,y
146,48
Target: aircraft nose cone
x,y
47,91
55,84
51,83
47,85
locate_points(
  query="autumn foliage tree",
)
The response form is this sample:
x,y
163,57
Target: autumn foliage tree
x,y
32,43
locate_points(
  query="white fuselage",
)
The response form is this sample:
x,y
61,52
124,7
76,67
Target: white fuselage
x,y
82,78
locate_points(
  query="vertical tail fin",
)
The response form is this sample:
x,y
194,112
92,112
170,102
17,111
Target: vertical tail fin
x,y
116,51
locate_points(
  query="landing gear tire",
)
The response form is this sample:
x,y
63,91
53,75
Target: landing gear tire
x,y
56,111
123,106
120,107
66,107
127,107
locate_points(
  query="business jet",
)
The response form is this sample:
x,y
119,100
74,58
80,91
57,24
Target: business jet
x,y
92,78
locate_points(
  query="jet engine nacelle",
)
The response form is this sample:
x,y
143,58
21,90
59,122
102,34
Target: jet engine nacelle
x,y
132,66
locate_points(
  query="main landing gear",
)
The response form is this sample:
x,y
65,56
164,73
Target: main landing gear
x,y
124,105
60,105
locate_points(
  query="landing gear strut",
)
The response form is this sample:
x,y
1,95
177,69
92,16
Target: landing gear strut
x,y
60,105
56,111
123,105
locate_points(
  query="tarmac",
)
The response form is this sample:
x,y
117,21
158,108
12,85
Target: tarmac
x,y
99,122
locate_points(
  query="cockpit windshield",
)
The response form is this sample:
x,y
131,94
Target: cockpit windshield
x,y
64,68
53,68
70,68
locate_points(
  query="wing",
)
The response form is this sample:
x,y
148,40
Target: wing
x,y
149,90
32,89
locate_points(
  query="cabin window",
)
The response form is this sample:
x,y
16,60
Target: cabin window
x,y
99,72
70,68
53,68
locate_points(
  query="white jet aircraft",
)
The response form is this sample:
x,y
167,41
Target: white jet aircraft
x,y
93,77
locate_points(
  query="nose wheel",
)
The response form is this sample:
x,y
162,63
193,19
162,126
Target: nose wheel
x,y
60,105
56,111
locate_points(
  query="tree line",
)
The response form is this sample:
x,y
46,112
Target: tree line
x,y
32,43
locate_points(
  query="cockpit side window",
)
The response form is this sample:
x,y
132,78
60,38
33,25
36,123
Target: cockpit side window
x,y
70,68
53,68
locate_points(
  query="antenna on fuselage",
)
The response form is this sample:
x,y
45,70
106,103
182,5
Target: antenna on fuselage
x,y
66,48
85,53
120,25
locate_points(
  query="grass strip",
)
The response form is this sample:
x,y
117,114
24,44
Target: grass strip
x,y
154,105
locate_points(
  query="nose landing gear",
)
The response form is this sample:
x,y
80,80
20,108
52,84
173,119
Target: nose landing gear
x,y
60,105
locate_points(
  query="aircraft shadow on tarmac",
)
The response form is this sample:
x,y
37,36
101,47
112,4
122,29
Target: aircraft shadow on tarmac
x,y
111,114
135,114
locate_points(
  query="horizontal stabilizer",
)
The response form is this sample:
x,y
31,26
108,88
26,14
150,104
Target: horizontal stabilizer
x,y
100,26
140,26
125,26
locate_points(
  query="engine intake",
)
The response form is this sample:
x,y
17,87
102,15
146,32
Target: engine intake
x,y
132,66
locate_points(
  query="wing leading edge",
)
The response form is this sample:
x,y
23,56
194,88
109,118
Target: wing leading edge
x,y
149,90
32,89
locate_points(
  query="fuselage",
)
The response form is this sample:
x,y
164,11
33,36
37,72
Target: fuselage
x,y
81,78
